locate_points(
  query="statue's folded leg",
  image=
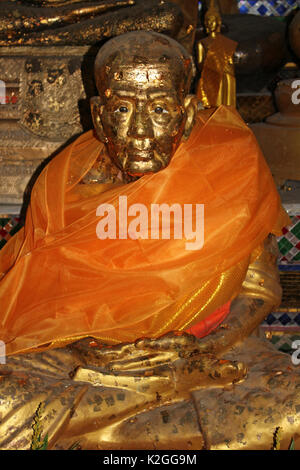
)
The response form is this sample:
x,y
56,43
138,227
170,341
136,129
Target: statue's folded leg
x,y
246,416
93,404
170,406
238,416
25,382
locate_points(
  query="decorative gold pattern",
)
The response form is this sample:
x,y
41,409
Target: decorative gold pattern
x,y
31,128
50,102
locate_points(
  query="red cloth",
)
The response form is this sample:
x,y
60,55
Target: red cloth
x,y
204,327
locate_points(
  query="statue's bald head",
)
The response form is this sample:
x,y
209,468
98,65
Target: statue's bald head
x,y
143,109
143,51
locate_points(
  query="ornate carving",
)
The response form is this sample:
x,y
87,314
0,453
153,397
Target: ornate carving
x,y
46,104
52,89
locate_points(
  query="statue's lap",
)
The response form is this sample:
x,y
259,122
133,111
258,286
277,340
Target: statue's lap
x,y
103,410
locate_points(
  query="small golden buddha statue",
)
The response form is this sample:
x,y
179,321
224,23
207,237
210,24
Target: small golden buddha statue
x,y
215,60
134,343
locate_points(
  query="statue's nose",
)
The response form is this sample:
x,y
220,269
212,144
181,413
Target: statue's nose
x,y
141,125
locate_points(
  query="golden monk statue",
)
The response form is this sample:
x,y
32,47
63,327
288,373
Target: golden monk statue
x,y
215,60
136,336
82,22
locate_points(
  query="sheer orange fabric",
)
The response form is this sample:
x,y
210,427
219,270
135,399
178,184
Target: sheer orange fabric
x,y
62,282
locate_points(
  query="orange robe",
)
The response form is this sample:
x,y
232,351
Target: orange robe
x,y
61,282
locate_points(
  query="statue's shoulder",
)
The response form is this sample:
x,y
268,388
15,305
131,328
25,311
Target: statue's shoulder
x,y
204,114
225,122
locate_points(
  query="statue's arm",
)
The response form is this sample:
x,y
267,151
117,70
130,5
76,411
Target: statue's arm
x,y
42,18
200,55
260,294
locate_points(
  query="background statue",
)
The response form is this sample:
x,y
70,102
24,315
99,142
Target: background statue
x,y
215,59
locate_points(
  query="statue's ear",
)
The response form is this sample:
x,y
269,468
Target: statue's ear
x,y
96,116
191,107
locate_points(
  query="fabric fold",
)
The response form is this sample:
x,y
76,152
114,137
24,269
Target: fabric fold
x,y
61,282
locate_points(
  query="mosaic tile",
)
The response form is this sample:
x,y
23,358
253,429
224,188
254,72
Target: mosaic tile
x,y
284,343
9,225
267,7
280,321
289,242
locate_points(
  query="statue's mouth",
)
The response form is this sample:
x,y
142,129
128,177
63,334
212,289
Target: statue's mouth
x,y
141,156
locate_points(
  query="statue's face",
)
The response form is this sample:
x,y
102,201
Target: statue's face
x,y
142,116
212,24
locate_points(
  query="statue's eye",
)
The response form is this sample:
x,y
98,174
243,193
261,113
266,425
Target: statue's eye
x,y
123,109
159,110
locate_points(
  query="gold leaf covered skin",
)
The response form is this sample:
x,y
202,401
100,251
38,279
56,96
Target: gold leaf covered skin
x,y
143,109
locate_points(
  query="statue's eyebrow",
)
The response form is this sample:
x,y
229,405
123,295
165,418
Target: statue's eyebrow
x,y
161,94
122,93
151,94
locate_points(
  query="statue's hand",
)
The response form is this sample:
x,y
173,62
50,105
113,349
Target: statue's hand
x,y
175,354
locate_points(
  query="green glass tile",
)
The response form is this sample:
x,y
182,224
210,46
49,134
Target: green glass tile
x,y
284,246
297,257
4,221
296,230
275,339
285,347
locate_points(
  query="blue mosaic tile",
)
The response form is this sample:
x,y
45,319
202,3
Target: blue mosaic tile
x,y
284,319
243,9
281,10
270,319
267,7
262,10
